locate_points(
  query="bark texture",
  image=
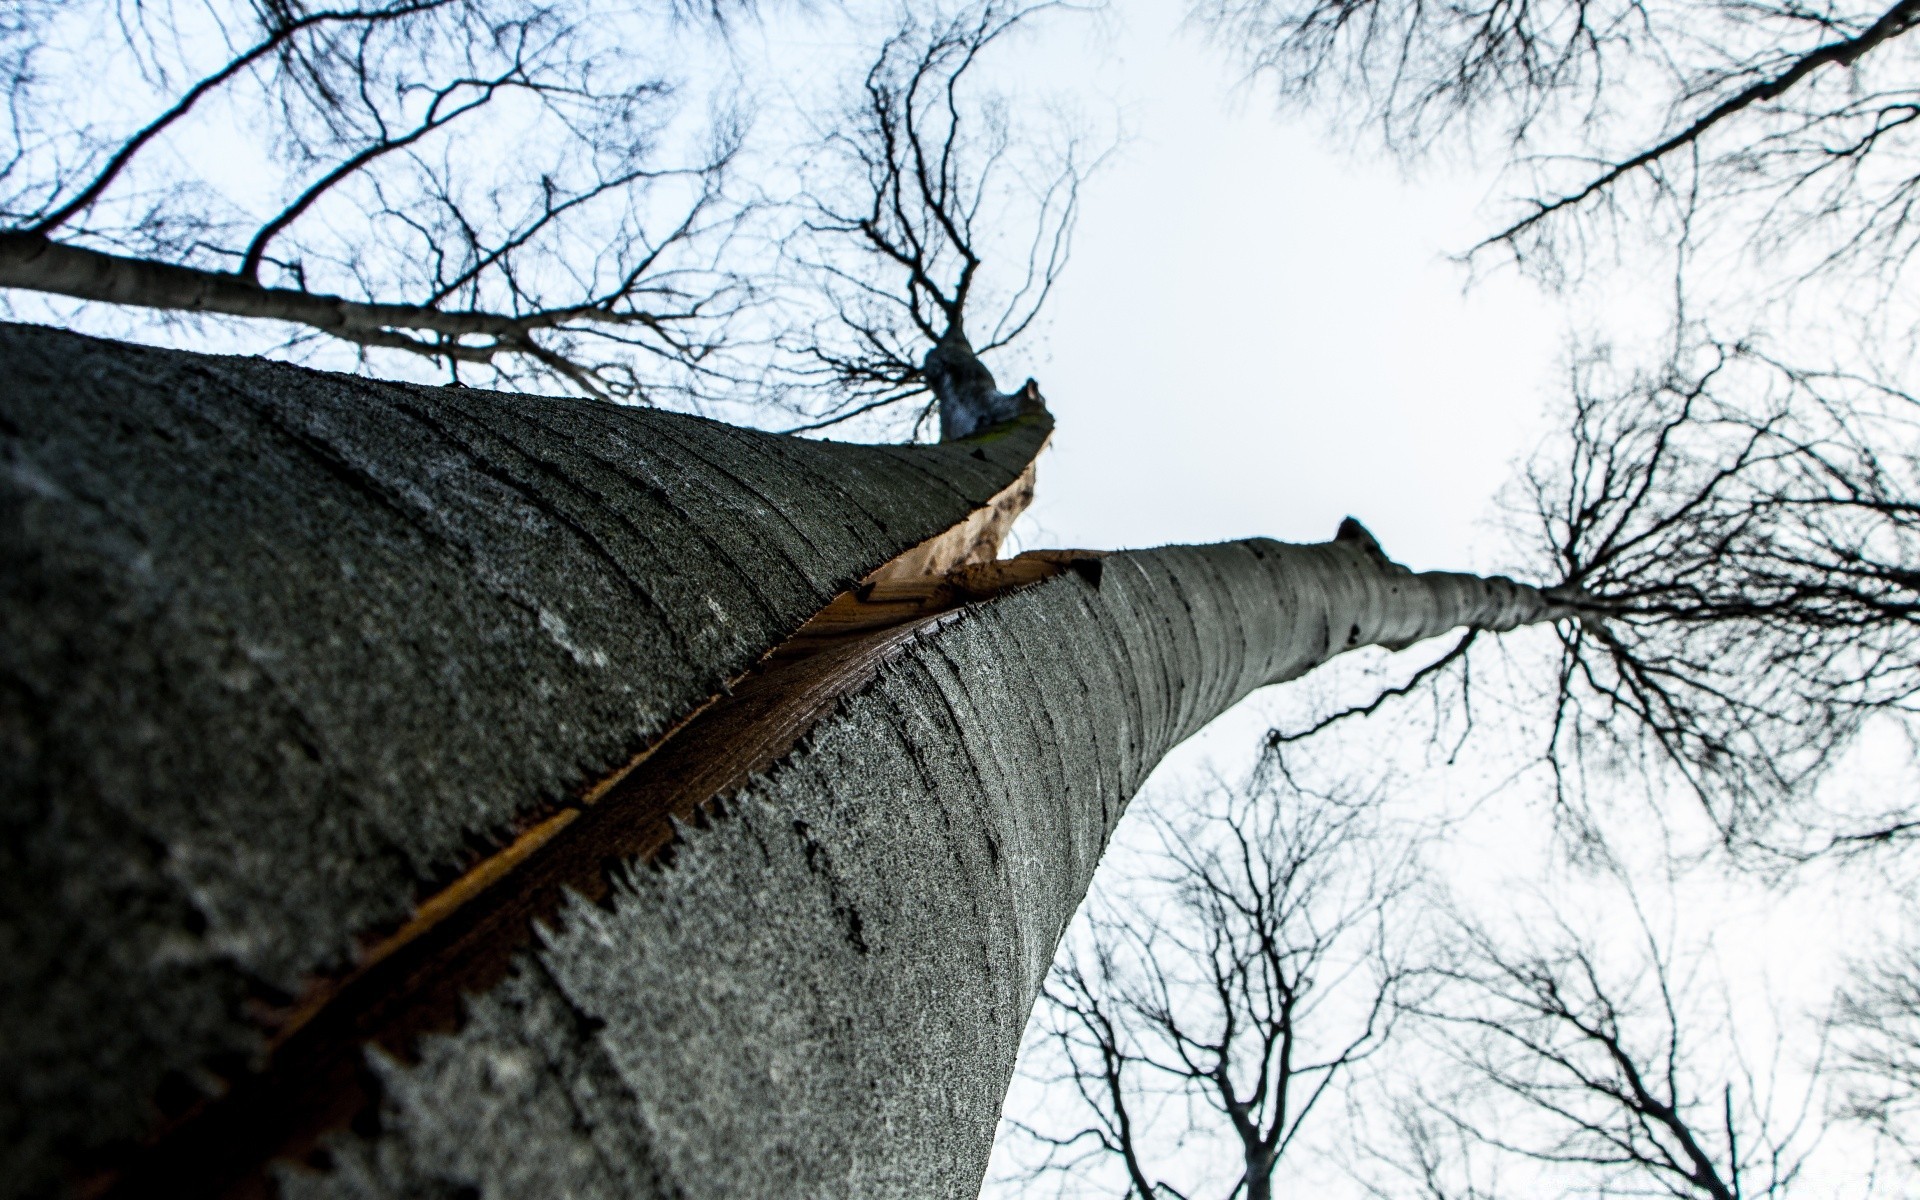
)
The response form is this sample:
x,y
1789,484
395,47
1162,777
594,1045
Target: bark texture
x,y
822,992
280,651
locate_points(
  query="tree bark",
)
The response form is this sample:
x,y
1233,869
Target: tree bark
x,y
282,652
824,992
282,649
969,399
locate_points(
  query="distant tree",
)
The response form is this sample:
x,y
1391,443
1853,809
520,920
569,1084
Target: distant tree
x,y
1742,538
1585,1071
1876,1029
513,192
936,220
1214,1004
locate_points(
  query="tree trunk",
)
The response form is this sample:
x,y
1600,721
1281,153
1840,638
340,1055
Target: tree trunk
x,y
281,652
824,993
968,397
289,657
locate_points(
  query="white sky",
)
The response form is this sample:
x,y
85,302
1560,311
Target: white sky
x,y
1260,334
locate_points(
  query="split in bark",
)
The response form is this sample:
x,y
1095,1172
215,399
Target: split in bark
x,y
394,627
464,940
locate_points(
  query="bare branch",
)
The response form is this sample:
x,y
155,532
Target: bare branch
x,y
918,185
1784,127
1749,566
595,257
1242,980
1591,1072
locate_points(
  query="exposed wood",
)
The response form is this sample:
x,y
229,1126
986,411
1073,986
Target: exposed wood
x,y
822,998
977,539
824,994
464,940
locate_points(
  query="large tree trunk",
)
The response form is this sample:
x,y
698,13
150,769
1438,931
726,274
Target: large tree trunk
x,y
318,692
823,994
282,652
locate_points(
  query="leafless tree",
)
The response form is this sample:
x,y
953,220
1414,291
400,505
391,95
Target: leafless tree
x,y
517,192
1593,1075
1742,538
1798,117
1877,1034
926,183
493,185
1746,532
1223,998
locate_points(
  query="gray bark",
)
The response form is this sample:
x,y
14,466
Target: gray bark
x,y
823,994
970,400
284,651
281,652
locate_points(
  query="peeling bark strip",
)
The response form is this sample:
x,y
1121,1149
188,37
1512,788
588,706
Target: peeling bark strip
x,y
281,652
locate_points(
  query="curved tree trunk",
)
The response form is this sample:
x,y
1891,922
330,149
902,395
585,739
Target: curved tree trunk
x,y
824,992
283,649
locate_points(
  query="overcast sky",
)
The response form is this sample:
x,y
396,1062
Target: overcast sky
x,y
1260,334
